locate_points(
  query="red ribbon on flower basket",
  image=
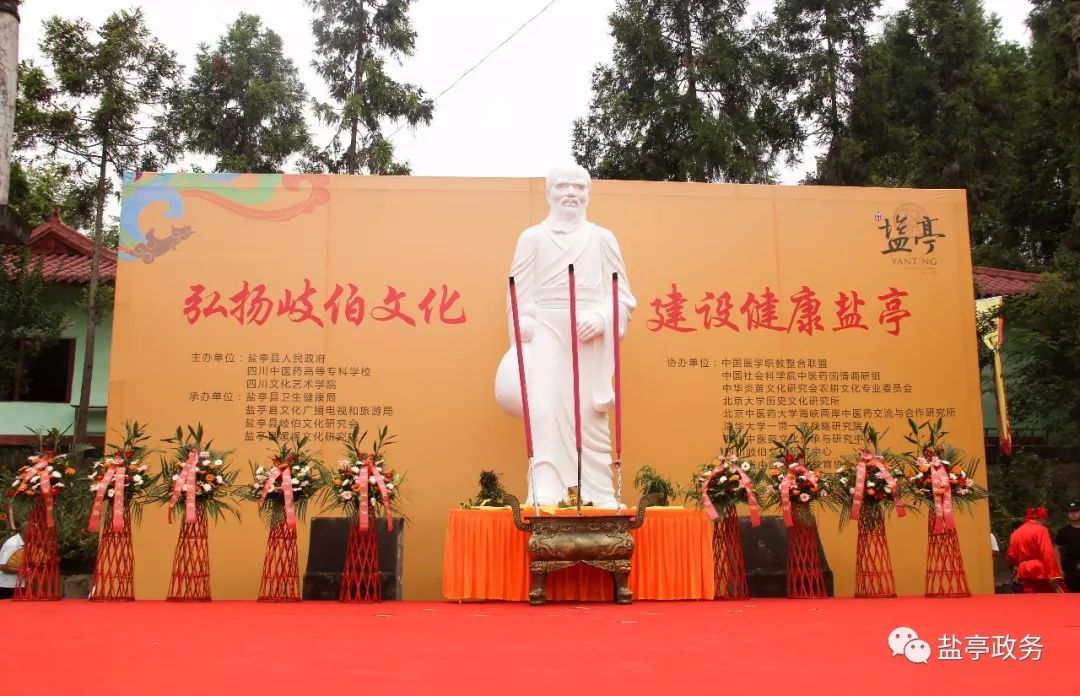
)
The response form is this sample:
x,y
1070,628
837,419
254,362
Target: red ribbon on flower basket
x,y
785,489
369,473
939,479
283,470
40,468
114,475
865,458
185,478
785,498
744,483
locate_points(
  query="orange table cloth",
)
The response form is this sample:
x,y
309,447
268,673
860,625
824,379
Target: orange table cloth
x,y
485,558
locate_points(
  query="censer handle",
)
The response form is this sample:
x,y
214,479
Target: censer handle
x,y
515,509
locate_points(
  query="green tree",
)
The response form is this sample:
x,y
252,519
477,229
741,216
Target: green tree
x,y
1042,338
244,103
38,190
41,111
112,86
686,97
39,182
820,44
936,105
1046,205
353,39
28,322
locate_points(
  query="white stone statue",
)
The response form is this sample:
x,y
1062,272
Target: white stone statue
x,y
540,272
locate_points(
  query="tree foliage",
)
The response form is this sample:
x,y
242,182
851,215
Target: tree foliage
x,y
820,45
353,40
1042,338
37,190
28,321
107,110
686,97
937,102
1047,202
244,104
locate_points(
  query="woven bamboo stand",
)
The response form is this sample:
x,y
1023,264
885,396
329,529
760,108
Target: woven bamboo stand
x,y
945,576
191,565
281,568
361,580
729,568
114,570
805,579
873,565
38,579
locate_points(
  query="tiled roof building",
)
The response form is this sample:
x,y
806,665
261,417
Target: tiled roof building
x,y
992,282
64,254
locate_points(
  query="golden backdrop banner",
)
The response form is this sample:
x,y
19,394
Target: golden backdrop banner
x,y
248,301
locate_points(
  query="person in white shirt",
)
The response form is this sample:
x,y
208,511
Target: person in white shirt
x,y
8,574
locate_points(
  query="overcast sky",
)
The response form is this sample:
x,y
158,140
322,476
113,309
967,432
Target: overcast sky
x,y
510,117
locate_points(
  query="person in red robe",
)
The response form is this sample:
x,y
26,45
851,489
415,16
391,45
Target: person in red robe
x,y
1031,552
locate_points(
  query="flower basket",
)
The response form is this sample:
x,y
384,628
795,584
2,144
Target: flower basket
x,y
366,490
719,487
35,485
795,486
868,485
196,484
282,492
120,483
944,482
114,569
38,579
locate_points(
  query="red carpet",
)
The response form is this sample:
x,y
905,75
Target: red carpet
x,y
763,646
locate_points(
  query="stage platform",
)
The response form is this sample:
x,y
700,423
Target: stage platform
x,y
835,646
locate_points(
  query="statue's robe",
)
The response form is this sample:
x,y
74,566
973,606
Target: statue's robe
x,y
540,272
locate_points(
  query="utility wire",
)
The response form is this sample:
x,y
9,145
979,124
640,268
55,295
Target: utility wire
x,y
490,53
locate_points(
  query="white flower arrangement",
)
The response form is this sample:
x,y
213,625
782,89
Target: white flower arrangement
x,y
136,476
50,465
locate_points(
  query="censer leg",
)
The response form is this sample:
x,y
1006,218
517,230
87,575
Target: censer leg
x,y
537,595
623,595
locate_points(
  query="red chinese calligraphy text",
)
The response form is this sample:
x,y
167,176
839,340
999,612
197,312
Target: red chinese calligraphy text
x,y
716,310
391,308
446,304
669,315
894,312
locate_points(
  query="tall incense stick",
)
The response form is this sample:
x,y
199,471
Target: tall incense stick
x,y
524,391
618,388
577,390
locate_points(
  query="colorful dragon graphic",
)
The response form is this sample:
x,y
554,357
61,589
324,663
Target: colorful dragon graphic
x,y
264,197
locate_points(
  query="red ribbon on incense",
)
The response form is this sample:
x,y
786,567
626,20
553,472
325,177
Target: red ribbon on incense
x,y
574,354
521,369
115,476
618,367
185,483
282,470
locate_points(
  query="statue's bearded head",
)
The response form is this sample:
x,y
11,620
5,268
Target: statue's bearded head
x,y
568,194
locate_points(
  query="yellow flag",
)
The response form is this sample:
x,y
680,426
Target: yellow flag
x,y
994,339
